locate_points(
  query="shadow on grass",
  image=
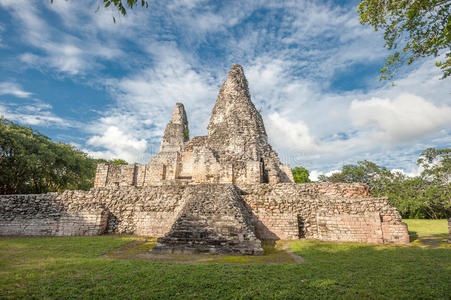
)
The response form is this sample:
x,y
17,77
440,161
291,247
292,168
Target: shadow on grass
x,y
432,240
413,236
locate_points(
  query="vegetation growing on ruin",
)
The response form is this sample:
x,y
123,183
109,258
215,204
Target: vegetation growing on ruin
x,y
76,267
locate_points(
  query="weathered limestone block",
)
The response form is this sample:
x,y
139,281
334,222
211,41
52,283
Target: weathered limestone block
x,y
101,175
254,172
140,174
363,228
395,232
205,165
115,175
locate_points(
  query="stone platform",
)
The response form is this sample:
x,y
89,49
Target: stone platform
x,y
323,211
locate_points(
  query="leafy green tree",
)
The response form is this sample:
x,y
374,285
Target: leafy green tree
x,y
300,175
31,163
118,162
365,172
419,28
436,164
424,196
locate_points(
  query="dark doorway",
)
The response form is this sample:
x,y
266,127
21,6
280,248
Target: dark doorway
x,y
301,227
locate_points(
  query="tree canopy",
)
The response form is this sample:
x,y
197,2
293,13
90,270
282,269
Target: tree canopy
x,y
300,175
419,28
31,163
423,196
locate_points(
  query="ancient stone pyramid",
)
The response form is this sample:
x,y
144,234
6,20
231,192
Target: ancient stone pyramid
x,y
213,220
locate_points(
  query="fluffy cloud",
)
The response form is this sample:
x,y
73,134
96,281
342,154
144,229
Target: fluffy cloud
x,y
407,117
119,143
294,136
68,51
144,103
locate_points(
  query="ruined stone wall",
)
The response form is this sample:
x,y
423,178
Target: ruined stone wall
x,y
340,212
143,210
147,211
116,175
49,215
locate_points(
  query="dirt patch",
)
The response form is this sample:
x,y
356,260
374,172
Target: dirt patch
x,y
275,253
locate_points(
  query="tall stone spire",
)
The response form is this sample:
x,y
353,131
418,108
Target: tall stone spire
x,y
176,132
236,127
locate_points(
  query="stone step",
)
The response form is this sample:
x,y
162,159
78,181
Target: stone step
x,y
214,217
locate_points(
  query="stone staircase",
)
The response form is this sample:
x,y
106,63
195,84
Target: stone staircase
x,y
214,220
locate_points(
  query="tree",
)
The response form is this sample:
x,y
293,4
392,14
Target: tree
x,y
115,161
424,196
420,28
365,171
31,163
436,164
122,6
300,175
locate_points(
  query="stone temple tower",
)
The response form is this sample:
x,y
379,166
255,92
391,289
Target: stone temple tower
x,y
236,149
176,132
236,132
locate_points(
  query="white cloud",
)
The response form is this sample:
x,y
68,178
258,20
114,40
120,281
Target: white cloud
x,y
120,145
11,88
71,51
144,102
35,114
292,135
405,118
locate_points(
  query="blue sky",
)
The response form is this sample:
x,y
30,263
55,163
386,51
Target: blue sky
x,y
70,72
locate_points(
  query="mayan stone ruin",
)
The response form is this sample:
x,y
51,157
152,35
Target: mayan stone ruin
x,y
236,149
219,193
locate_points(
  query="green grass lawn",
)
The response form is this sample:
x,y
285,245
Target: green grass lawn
x,y
427,227
77,267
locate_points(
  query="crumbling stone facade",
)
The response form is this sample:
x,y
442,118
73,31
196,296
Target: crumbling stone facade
x,y
325,211
219,193
236,149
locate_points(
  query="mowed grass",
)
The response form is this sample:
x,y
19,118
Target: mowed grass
x,y
77,267
427,227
